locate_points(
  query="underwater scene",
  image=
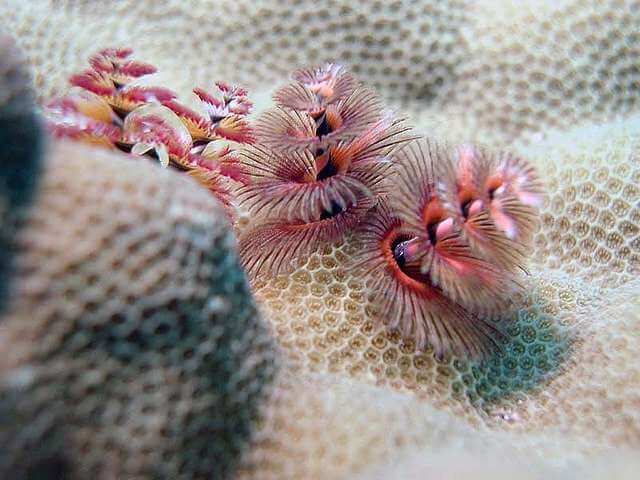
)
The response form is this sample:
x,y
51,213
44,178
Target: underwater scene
x,y
291,239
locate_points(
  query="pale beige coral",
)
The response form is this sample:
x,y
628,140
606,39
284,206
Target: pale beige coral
x,y
570,375
326,428
489,70
338,425
501,465
568,386
538,65
131,345
591,217
408,48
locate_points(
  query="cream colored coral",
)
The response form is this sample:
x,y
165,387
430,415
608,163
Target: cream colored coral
x,y
398,46
568,390
492,70
570,376
591,216
131,346
502,465
543,64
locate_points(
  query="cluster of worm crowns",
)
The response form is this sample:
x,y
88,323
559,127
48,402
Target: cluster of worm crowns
x,y
110,107
442,231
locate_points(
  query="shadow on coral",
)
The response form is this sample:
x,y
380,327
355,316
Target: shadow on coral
x,y
21,141
535,348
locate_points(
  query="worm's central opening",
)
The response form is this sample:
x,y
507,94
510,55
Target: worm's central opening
x,y
410,267
323,127
328,171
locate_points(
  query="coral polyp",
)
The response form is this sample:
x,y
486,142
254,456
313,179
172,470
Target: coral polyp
x,y
287,130
314,89
514,191
117,66
272,246
493,198
85,117
438,243
111,78
222,117
154,127
307,185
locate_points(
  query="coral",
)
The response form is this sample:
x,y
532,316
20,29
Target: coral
x,y
325,162
330,417
533,68
467,71
591,219
492,69
569,376
131,344
403,48
499,464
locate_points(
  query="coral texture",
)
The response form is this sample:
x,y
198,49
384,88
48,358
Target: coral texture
x,y
491,69
131,344
567,391
569,377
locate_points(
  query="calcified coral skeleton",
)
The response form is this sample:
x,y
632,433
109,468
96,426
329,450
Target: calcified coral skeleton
x,y
324,159
109,109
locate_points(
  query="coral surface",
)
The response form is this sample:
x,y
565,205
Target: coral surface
x,y
131,346
494,70
568,383
352,396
